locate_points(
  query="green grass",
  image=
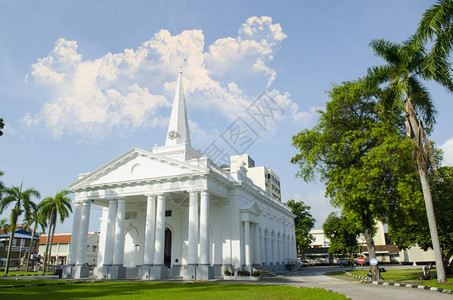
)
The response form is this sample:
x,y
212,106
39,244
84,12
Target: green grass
x,y
17,273
408,276
166,290
8,282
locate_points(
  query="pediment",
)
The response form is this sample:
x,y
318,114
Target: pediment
x,y
252,208
137,165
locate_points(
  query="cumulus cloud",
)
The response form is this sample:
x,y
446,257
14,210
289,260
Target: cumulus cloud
x,y
447,148
123,91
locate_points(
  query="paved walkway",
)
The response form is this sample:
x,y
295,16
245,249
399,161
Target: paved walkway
x,y
313,277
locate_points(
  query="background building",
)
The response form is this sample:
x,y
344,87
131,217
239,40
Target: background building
x,y
20,248
60,248
261,176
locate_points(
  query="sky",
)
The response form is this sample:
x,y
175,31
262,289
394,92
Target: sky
x,y
82,82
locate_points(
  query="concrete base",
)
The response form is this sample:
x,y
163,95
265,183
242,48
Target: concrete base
x,y
189,272
175,270
158,272
103,272
218,270
80,272
67,272
205,272
117,272
143,272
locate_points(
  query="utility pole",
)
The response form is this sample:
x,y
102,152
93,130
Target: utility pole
x,y
415,131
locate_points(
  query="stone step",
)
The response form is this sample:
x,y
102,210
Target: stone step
x,y
265,273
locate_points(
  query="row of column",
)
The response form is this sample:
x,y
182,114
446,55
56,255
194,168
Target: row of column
x,y
114,235
77,250
277,250
252,246
198,229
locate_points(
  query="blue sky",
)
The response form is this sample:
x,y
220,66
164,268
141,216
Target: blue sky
x,y
82,82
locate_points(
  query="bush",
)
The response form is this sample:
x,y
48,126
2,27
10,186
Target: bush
x,y
256,274
243,273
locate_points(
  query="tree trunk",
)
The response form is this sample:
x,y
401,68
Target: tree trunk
x,y
10,244
441,278
32,241
44,266
368,234
51,240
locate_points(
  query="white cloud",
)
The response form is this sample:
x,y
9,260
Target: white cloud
x,y
447,147
127,90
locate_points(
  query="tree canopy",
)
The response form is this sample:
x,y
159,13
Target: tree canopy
x,y
410,226
342,235
303,222
365,163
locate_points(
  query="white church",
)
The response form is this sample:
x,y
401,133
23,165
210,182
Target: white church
x,y
171,212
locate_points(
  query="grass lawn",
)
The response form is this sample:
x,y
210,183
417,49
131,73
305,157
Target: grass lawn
x,y
165,290
17,273
408,276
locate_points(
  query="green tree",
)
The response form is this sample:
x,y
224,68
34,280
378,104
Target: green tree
x,y
4,225
2,185
303,222
402,79
51,209
364,162
22,201
410,226
33,221
342,234
436,26
2,124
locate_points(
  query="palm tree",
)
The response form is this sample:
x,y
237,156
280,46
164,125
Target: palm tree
x,y
2,186
50,208
35,220
22,203
403,75
4,226
436,25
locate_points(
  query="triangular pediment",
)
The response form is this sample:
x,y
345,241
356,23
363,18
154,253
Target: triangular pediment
x,y
136,165
251,207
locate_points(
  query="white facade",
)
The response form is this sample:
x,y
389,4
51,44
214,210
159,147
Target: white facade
x,y
172,212
263,177
320,238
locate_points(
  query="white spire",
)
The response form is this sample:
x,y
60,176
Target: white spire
x,y
178,128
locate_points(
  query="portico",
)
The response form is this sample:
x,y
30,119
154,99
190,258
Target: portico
x,y
171,212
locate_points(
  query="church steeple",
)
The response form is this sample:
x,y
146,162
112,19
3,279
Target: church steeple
x,y
178,128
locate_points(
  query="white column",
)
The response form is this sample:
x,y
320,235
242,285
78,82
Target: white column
x,y
204,228
257,245
85,222
118,252
150,230
192,251
110,233
160,231
75,234
247,243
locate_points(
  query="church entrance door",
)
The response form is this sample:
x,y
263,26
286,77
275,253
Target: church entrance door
x,y
167,247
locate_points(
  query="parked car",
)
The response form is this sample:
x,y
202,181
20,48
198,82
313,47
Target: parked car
x,y
343,263
59,270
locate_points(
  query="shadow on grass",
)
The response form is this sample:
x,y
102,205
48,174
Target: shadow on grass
x,y
165,290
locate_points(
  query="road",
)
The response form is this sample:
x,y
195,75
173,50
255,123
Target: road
x,y
313,277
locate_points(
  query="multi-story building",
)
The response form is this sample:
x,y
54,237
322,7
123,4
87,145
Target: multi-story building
x,y
261,176
20,246
60,248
